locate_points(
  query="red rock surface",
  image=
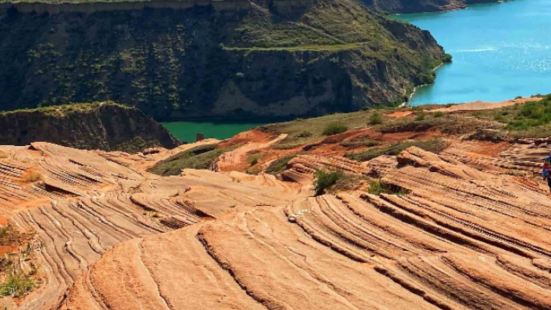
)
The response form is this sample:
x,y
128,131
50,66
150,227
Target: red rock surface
x,y
469,230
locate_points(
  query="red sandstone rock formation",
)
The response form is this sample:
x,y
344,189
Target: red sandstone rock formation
x,y
468,229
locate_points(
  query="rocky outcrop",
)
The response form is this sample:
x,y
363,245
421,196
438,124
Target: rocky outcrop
x,y
421,250
270,59
110,235
413,6
82,203
106,126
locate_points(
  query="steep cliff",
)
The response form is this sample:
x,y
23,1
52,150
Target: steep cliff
x,y
412,6
106,126
225,59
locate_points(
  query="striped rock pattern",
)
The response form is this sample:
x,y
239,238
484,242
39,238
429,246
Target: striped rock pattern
x,y
79,204
462,238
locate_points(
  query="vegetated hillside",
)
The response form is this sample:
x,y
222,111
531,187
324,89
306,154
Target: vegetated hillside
x,y
412,6
273,59
106,126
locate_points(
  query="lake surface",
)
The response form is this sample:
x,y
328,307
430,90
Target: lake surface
x,y
186,131
499,51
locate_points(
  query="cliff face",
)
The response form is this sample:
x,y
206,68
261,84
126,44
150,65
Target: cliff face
x,y
270,58
105,126
412,6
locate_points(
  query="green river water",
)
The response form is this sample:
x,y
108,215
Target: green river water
x,y
186,131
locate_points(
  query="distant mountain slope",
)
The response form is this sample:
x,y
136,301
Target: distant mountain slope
x,y
225,59
411,6
106,126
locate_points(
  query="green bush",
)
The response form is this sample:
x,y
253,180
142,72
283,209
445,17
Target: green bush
x,y
253,159
324,180
375,118
420,116
531,114
378,187
278,165
438,114
16,285
200,157
334,128
305,134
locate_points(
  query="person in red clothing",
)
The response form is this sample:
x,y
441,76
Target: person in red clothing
x,y
546,171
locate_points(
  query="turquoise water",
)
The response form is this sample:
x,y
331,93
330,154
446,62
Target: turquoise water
x,y
186,131
499,51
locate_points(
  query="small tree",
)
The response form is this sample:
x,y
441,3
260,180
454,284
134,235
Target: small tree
x,y
324,180
334,128
375,118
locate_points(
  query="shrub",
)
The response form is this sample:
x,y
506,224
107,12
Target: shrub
x,y
324,180
378,187
438,114
278,165
375,118
16,285
8,235
420,116
334,128
200,157
305,134
253,159
531,114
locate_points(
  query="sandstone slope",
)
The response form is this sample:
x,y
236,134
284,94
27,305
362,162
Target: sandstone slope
x,y
461,238
456,222
81,203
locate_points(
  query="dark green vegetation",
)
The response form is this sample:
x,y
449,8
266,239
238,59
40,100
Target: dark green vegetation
x,y
532,119
333,129
14,282
16,285
275,59
325,179
103,125
375,118
432,145
200,157
378,187
279,165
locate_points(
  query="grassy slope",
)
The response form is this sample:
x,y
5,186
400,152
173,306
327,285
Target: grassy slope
x,y
196,52
68,108
201,157
530,120
330,26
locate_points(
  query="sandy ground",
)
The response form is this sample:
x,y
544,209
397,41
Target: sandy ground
x,y
480,105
